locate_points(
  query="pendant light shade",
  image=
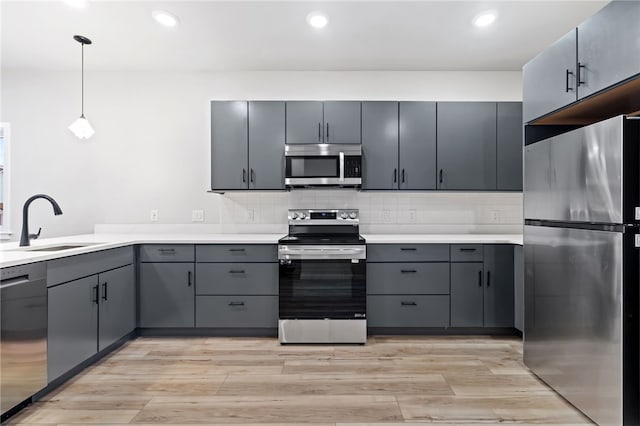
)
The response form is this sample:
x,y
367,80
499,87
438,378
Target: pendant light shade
x,y
81,127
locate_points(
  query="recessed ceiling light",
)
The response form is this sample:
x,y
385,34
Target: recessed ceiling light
x,y
76,3
485,19
317,19
165,18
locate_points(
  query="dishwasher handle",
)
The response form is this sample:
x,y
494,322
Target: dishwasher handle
x,y
10,282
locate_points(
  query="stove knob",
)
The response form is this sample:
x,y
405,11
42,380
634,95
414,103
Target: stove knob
x,y
353,215
294,215
344,215
303,215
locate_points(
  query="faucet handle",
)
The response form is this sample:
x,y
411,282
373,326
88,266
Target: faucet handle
x,y
35,236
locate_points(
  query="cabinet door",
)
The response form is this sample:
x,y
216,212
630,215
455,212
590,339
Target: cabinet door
x,y
72,324
466,294
229,145
266,145
549,79
467,146
509,146
380,145
417,145
117,312
304,122
608,45
167,295
342,122
498,286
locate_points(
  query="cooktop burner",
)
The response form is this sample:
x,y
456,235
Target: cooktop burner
x,y
323,227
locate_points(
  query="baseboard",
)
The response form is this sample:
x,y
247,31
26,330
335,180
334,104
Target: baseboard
x,y
207,332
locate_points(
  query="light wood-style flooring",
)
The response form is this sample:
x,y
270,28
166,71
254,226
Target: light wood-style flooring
x,y
391,380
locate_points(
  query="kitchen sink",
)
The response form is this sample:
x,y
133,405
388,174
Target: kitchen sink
x,y
59,247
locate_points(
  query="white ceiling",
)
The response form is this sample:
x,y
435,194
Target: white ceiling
x,y
266,35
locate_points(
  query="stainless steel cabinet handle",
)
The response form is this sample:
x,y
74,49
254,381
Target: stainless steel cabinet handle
x,y
488,278
479,278
189,279
104,290
567,88
408,304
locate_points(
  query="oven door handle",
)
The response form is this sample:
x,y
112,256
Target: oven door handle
x,y
342,167
320,253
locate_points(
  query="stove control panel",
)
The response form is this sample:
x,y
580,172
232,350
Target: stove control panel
x,y
320,217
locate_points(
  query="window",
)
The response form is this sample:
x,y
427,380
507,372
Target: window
x,y
4,181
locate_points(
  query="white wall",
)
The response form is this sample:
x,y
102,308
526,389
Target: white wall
x,y
151,148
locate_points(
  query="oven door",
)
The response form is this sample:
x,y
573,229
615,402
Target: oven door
x,y
323,288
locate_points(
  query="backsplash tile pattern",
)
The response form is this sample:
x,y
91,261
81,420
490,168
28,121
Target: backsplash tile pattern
x,y
433,212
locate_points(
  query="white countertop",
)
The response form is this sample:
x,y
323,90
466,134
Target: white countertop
x,y
12,255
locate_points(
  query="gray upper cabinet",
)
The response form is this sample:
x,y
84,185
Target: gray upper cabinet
x,y
266,145
229,145
117,311
499,285
417,145
467,146
549,80
466,294
608,46
72,324
509,146
380,145
323,122
342,122
304,122
167,296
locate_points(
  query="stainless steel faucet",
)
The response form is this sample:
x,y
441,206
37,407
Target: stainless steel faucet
x,y
25,237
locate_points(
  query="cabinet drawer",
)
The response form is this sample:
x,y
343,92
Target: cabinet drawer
x,y
166,253
237,253
237,311
408,278
408,311
74,267
407,252
466,253
237,278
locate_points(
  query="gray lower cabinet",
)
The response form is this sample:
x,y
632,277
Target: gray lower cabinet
x,y
549,80
407,311
237,311
266,144
417,145
509,146
466,294
499,285
229,145
467,146
117,310
167,292
72,324
380,145
608,44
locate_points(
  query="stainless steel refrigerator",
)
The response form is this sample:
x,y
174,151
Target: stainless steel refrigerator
x,y
582,211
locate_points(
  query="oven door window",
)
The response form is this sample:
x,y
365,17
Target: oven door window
x,y
318,289
313,167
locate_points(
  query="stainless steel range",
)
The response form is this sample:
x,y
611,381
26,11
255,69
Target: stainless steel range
x,y
323,291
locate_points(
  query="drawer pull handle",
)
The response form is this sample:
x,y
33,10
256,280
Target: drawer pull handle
x,y
104,291
237,249
408,304
189,279
468,249
237,271
236,303
479,278
488,278
408,249
96,290
408,271
167,250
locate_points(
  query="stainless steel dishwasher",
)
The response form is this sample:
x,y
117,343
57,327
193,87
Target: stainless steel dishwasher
x,y
23,333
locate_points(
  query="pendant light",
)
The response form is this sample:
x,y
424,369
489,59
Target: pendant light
x,y
81,127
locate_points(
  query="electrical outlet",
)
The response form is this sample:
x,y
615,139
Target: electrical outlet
x,y
495,216
386,216
412,215
153,215
251,215
197,215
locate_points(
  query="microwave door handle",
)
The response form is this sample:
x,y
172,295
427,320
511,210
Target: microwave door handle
x,y
342,167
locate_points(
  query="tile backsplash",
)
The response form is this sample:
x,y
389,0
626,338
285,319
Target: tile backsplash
x,y
385,212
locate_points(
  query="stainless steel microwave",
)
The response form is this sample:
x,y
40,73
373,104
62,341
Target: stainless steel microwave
x,y
317,165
